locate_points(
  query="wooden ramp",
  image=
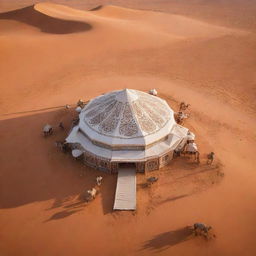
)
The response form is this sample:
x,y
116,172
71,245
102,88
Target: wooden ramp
x,y
125,198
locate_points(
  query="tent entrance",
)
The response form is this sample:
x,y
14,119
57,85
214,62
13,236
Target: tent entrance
x,y
127,165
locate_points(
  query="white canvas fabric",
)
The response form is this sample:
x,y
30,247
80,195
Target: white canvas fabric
x,y
103,141
126,117
191,147
76,153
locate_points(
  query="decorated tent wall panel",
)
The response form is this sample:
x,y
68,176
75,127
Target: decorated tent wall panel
x,y
114,167
165,159
152,165
123,147
97,162
140,167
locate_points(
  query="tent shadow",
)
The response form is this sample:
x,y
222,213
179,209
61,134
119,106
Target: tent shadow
x,y
168,239
107,191
32,169
45,23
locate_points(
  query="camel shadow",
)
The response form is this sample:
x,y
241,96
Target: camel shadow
x,y
96,8
62,214
45,23
174,198
168,239
70,207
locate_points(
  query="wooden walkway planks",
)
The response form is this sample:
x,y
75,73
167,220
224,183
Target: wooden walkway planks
x,y
125,198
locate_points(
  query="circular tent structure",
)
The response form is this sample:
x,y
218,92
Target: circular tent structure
x,y
127,128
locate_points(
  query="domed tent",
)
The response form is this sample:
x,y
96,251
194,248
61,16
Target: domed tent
x,y
127,128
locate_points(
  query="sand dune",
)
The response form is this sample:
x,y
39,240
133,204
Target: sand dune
x,y
173,24
52,55
53,19
99,36
32,17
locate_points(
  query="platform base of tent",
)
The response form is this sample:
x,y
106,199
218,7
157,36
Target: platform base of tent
x,y
125,198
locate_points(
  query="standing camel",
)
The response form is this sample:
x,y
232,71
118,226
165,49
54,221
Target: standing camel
x,y
183,106
210,158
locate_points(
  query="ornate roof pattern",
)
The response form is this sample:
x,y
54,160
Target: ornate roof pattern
x,y
126,114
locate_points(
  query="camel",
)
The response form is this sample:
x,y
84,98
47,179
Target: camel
x,y
62,145
152,180
180,116
210,158
80,103
91,194
99,180
149,182
201,229
184,106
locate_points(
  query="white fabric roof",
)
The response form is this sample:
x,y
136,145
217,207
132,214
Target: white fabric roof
x,y
174,138
126,117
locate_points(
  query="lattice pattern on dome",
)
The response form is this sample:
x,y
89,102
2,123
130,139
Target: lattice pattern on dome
x,y
127,113
111,122
100,106
128,126
102,113
146,124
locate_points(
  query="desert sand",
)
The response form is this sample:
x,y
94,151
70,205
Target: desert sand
x,y
52,54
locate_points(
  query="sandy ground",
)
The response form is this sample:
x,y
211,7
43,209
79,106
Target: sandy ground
x,y
201,52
